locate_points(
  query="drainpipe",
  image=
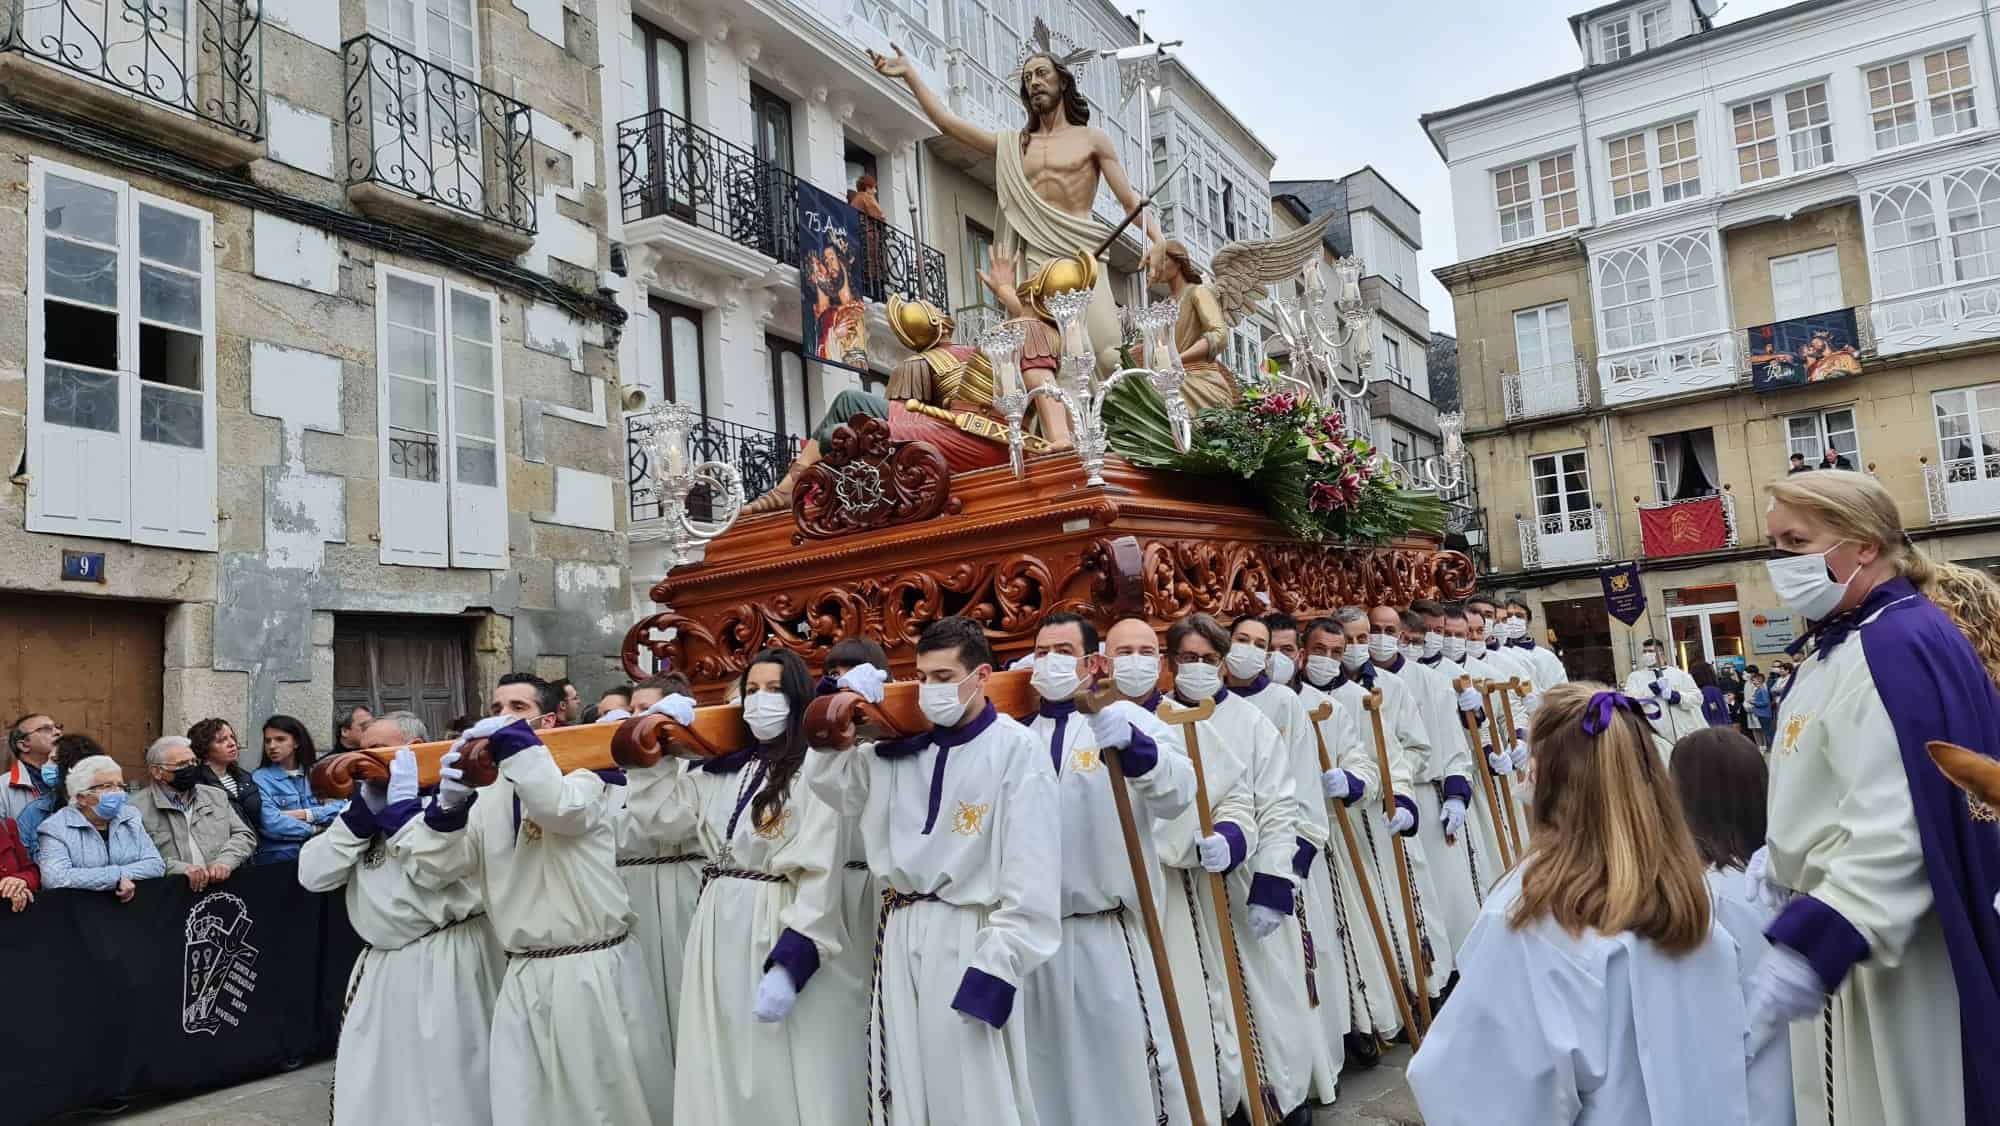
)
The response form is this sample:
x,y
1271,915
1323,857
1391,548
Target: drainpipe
x,y
1583,142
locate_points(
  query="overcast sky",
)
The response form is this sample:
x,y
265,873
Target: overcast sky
x,y
1331,85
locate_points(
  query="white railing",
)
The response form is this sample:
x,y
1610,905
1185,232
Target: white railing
x,y
1963,488
1564,538
1538,392
1937,319
1658,370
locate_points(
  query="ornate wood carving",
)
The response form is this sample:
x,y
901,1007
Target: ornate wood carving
x,y
867,480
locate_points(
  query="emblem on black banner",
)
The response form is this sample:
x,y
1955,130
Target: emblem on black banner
x,y
220,965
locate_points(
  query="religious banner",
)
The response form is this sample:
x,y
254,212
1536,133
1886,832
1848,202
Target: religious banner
x,y
1624,595
1684,527
1804,350
832,268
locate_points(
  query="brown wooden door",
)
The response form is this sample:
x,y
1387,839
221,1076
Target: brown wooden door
x,y
403,664
92,663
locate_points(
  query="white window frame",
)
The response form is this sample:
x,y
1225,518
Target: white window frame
x,y
1655,27
1935,108
1547,206
1788,127
1982,466
1815,269
1962,242
1646,182
1616,39
1657,302
1823,433
163,494
454,523
1392,360
1558,463
456,144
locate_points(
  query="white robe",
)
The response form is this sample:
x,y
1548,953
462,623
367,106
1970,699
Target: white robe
x,y
988,860
1099,1049
1453,863
574,1039
1770,1055
1547,668
730,1069
1485,832
1590,1029
1843,830
1492,819
419,999
661,870
1492,664
1676,718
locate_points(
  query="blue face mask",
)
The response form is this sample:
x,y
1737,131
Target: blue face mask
x,y
50,773
109,804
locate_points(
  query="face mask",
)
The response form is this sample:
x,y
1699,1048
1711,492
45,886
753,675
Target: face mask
x,y
1321,670
1381,647
1197,682
187,777
1648,659
49,773
1281,667
1805,586
767,714
1411,651
1454,649
1137,674
942,704
1517,628
109,803
1434,644
1244,660
1354,656
1055,676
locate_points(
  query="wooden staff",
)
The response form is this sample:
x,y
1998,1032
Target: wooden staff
x,y
1418,963
1506,784
1253,1087
1508,690
1337,809
1485,771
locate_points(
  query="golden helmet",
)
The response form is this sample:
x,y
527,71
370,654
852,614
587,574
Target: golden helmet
x,y
1059,275
920,325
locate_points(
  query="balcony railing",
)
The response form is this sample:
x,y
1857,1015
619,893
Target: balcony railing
x,y
1562,539
1688,527
1964,488
199,57
1936,319
761,456
1656,371
426,130
1543,391
670,166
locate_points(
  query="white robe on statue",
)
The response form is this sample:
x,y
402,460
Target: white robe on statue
x,y
661,871
574,1041
1459,868
1590,1030
966,820
1099,1049
413,1039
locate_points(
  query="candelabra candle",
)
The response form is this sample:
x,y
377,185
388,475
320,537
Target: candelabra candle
x,y
1002,345
1067,308
675,477
1350,282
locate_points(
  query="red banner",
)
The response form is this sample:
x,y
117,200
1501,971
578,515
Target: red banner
x,y
1684,528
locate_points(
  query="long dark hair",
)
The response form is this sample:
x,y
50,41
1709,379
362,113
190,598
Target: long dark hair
x,y
303,756
1721,777
1076,110
781,761
1703,674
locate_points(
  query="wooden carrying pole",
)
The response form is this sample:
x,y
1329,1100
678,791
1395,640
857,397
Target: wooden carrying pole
x,y
1253,1087
1485,771
1486,690
1419,965
1508,690
1337,810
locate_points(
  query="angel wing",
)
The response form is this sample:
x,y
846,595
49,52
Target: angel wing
x,y
1243,269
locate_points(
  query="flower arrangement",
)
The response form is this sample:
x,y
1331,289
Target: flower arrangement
x,y
1320,482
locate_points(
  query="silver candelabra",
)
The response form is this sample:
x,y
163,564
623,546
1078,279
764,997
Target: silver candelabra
x,y
666,434
1319,339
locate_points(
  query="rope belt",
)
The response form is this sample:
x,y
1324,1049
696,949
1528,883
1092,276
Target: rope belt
x,y
1471,854
1201,959
1124,917
354,986
566,951
647,861
713,873
878,1014
1306,943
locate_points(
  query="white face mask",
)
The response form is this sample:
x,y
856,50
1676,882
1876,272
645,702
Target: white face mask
x,y
1806,586
1281,667
943,704
766,714
1055,676
1196,681
1137,674
1381,647
1412,651
1454,649
1354,656
1320,670
1434,644
1476,648
1517,628
1648,659
1245,660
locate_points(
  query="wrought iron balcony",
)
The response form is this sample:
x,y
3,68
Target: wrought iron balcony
x,y
669,166
1550,390
1562,539
203,58
427,131
761,456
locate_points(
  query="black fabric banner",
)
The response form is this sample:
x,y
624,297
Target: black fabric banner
x,y
169,994
1624,595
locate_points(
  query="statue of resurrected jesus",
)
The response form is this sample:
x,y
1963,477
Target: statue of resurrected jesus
x,y
1045,175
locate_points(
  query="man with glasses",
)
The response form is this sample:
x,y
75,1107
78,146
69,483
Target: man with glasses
x,y
31,742
196,829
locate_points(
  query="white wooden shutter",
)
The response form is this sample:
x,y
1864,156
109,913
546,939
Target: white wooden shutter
x,y
410,366
475,414
79,413
173,397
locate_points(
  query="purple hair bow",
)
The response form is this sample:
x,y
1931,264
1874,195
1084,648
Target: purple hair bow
x,y
1597,717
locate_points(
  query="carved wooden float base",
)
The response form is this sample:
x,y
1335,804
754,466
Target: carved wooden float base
x,y
1156,544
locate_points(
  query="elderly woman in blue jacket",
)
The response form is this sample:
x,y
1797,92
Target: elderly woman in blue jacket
x,y
97,841
291,814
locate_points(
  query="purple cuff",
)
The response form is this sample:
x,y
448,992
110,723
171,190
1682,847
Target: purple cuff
x,y
984,997
1238,847
396,815
359,819
797,954
1355,788
1520,734
1822,935
1673,699
448,820
1403,802
1141,756
1271,891
1458,787
1302,859
511,740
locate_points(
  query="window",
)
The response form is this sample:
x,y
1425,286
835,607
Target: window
x,y
1968,432
427,132
1808,127
1614,39
1940,80
1756,141
1631,188
121,363
1653,27
1806,141
682,358
656,72
1803,284
978,257
1617,40
1542,341
1392,360
1667,290
788,386
1673,154
1684,465
1400,451
1940,230
1562,489
1232,211
1811,434
443,465
1539,196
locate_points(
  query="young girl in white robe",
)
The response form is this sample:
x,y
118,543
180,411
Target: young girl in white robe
x,y
1597,988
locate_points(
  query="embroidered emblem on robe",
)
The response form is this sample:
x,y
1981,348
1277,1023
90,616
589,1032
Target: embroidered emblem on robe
x,y
1085,760
775,828
530,831
1794,727
969,819
1981,811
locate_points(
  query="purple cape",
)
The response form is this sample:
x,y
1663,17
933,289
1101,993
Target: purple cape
x,y
1934,687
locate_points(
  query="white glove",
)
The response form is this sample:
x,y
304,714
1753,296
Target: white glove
x,y
1452,813
1532,701
484,729
865,681
1264,922
775,996
676,707
1763,889
1500,762
1520,758
1336,784
1402,822
452,793
1024,661
1783,989
1113,727
402,777
1214,852
1468,700
615,715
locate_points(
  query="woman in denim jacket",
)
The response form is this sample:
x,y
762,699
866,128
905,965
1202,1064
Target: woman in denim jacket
x,y
291,814
97,842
